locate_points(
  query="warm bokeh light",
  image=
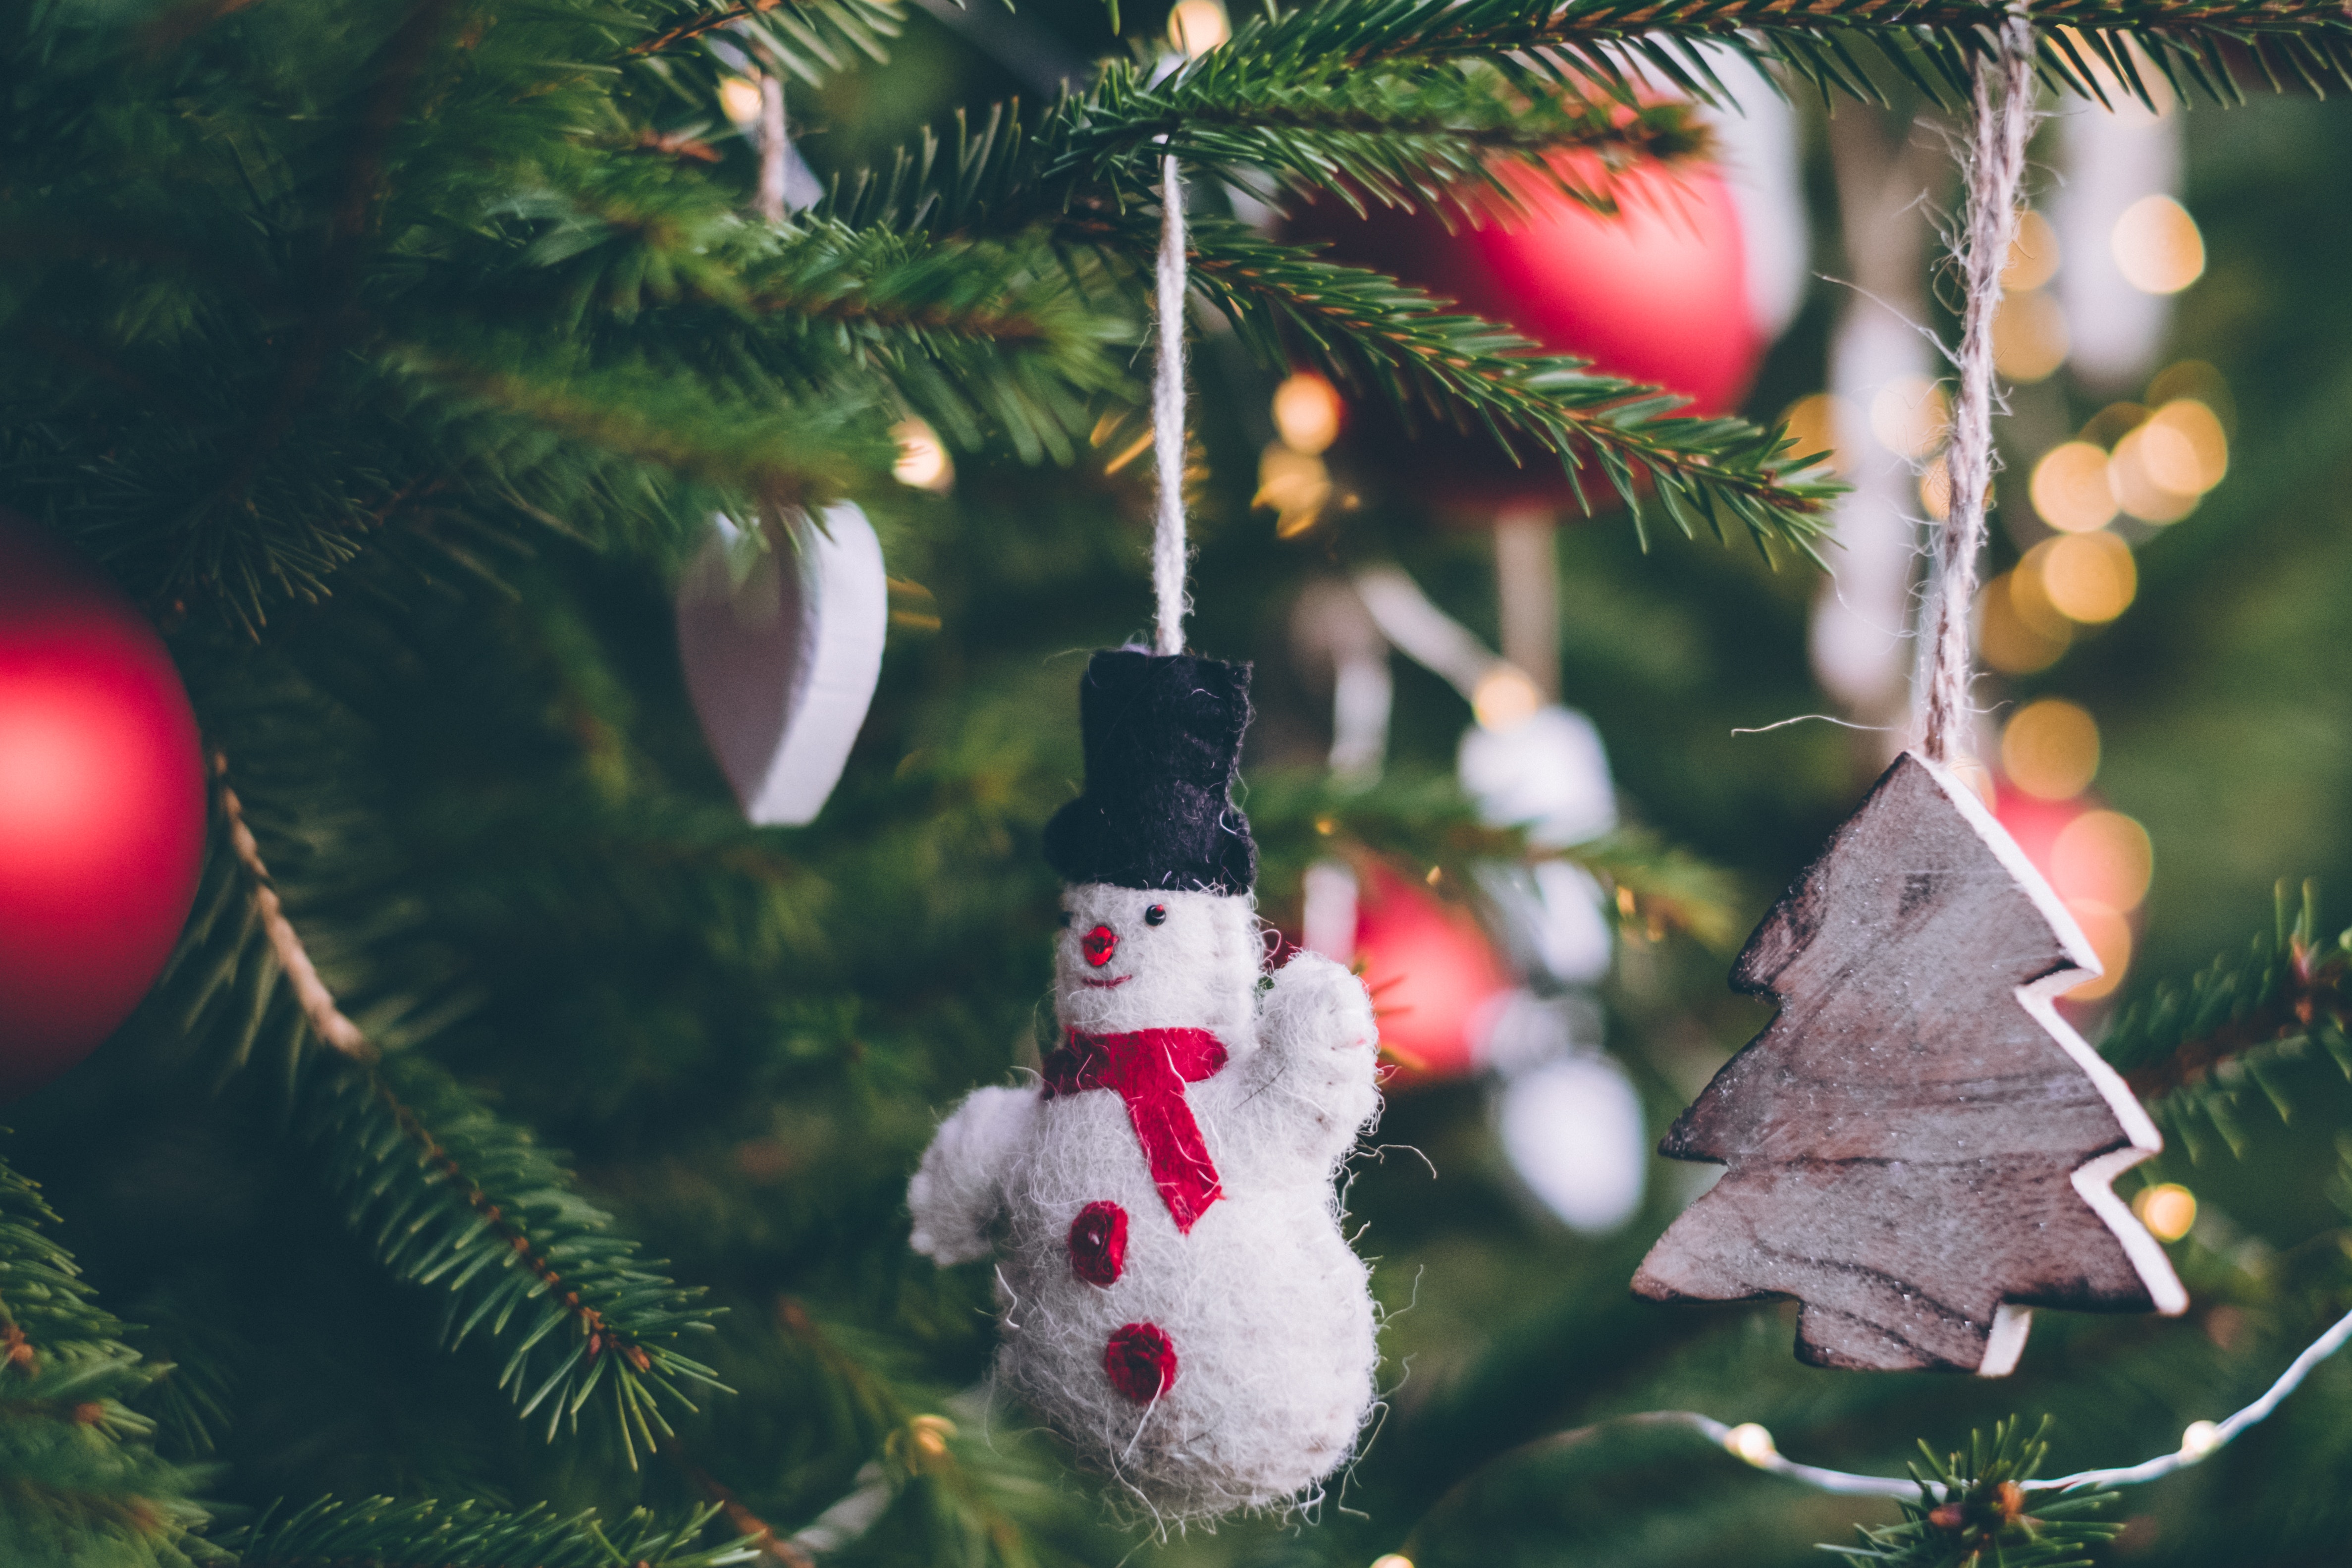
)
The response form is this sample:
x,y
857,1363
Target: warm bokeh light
x,y
2110,937
739,99
1751,1442
2164,464
1814,424
2157,247
2089,577
2070,488
2103,856
2049,749
1936,489
2033,256
2170,1212
1505,697
2029,336
1307,413
1196,26
1393,1559
1294,484
923,461
1909,416
2011,643
2200,1438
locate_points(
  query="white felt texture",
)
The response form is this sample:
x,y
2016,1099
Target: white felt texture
x,y
1269,1312
781,662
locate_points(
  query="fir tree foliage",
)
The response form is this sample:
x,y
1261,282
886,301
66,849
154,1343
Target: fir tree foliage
x,y
1974,1511
79,1479
2194,1050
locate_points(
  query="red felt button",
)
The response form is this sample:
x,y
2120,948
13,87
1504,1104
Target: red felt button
x,y
1099,1243
1141,1361
1099,944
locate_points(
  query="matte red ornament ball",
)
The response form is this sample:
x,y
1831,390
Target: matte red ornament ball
x,y
1655,293
102,806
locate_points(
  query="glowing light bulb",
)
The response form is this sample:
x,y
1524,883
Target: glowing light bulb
x,y
2070,488
1504,698
2170,1212
1307,413
2200,1438
2157,247
2049,749
2103,856
923,462
2091,578
739,99
1196,26
1393,1559
1751,1442
2029,339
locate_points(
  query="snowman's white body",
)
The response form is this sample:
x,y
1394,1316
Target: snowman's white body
x,y
1267,1309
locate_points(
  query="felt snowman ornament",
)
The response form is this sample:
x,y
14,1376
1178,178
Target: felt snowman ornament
x,y
1178,1300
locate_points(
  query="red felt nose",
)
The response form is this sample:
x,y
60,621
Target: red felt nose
x,y
1099,944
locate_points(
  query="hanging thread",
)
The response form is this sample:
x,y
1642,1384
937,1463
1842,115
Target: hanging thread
x,y
1168,418
1995,169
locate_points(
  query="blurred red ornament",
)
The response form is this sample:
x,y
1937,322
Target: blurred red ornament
x,y
102,806
1433,977
1655,293
2097,861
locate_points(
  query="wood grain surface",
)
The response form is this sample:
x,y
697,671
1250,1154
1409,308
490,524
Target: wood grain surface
x,y
1919,1148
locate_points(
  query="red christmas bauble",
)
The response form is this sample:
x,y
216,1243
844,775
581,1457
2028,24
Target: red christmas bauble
x,y
1655,293
102,806
1433,975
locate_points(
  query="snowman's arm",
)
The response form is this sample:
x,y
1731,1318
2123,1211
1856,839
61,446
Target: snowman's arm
x,y
958,1192
1317,1057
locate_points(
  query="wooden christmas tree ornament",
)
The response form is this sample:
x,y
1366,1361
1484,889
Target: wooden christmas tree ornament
x,y
1919,1147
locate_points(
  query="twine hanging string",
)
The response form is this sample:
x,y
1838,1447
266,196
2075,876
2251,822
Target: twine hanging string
x,y
1168,418
1995,169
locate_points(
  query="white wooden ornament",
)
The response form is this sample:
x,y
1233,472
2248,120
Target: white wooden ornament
x,y
781,649
1919,1148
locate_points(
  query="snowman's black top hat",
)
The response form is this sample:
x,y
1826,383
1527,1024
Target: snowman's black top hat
x,y
1163,736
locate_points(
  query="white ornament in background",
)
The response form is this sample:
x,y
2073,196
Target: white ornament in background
x,y
1570,1120
782,648
2110,160
1860,639
1548,773
1327,922
1758,154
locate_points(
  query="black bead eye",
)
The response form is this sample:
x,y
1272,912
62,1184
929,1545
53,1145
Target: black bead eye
x,y
1157,915
1063,919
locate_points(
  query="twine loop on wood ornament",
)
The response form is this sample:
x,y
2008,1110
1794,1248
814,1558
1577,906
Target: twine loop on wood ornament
x,y
1995,171
1168,418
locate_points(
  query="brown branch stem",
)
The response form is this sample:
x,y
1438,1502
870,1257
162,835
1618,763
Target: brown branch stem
x,y
317,1004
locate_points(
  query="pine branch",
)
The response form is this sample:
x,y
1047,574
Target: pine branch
x,y
1422,137
377,1532
810,39
1372,333
2189,1050
447,1194
77,1468
1931,45
1973,1509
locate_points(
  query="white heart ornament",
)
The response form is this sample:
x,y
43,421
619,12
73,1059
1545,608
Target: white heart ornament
x,y
781,649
